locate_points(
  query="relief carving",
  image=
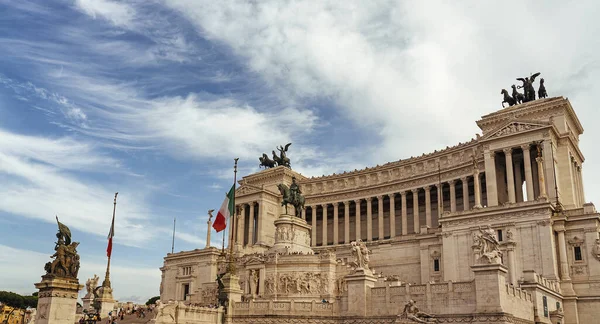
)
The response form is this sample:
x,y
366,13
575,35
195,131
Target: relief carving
x,y
486,246
596,250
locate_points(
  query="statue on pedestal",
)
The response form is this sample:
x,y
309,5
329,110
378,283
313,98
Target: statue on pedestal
x,y
412,313
66,262
486,246
277,160
91,284
292,195
360,252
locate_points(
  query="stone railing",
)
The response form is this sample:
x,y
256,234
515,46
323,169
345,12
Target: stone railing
x,y
178,312
436,298
286,307
529,277
518,293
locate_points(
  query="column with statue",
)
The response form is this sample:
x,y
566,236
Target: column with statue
x,y
59,288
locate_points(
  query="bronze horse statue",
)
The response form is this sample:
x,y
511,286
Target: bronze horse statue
x,y
297,202
517,96
266,162
507,98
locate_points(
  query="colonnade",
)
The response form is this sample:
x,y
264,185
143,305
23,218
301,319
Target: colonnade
x,y
246,224
386,216
508,169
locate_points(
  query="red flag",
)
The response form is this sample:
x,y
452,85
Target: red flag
x,y
225,211
110,237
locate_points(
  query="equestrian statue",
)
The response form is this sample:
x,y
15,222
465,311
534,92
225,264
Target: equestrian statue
x,y
292,196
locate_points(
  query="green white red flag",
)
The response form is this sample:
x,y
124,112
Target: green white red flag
x,y
225,211
111,233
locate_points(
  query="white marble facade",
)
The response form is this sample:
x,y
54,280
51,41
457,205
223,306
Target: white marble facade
x,y
419,218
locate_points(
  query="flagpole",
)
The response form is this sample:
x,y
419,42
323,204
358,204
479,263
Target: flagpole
x,y
106,282
230,264
173,240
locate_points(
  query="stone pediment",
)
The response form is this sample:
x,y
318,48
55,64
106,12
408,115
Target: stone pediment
x,y
515,127
247,189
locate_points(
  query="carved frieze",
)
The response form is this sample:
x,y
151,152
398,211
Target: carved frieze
x,y
297,283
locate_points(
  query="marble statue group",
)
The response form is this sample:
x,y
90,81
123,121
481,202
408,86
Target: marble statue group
x,y
66,259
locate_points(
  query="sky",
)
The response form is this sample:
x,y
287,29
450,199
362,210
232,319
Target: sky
x,y
155,98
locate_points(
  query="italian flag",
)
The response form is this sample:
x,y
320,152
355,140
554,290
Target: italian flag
x,y
225,211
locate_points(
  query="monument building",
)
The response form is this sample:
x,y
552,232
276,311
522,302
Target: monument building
x,y
493,230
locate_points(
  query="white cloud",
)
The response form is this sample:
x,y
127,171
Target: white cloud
x,y
22,268
118,13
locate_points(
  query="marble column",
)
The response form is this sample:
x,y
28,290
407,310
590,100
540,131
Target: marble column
x,y
336,233
346,222
490,178
581,191
404,213
518,179
440,199
369,219
512,266
324,220
380,233
452,184
392,216
259,225
528,172
313,231
477,189
562,252
241,225
304,213
428,221
357,230
510,178
540,167
416,225
251,225
465,187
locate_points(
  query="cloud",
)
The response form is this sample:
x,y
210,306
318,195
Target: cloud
x,y
38,181
118,13
22,268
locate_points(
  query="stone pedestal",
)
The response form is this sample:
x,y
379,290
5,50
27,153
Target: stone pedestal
x,y
87,300
489,281
231,289
359,292
105,301
57,301
292,235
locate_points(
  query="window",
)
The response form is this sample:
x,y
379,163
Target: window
x,y
186,291
545,301
500,235
577,250
186,271
436,265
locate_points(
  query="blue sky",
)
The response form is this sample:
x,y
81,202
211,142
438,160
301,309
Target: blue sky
x,y
154,99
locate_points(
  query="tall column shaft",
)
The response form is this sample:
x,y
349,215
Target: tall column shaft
x,y
510,177
251,225
540,165
380,233
369,219
528,172
512,266
477,189
428,221
259,225
404,213
357,235
313,232
490,178
562,250
324,220
465,186
416,225
346,222
452,184
518,180
336,237
392,216
241,225
304,213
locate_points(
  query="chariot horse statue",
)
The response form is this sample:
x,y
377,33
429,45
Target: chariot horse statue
x,y
296,200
